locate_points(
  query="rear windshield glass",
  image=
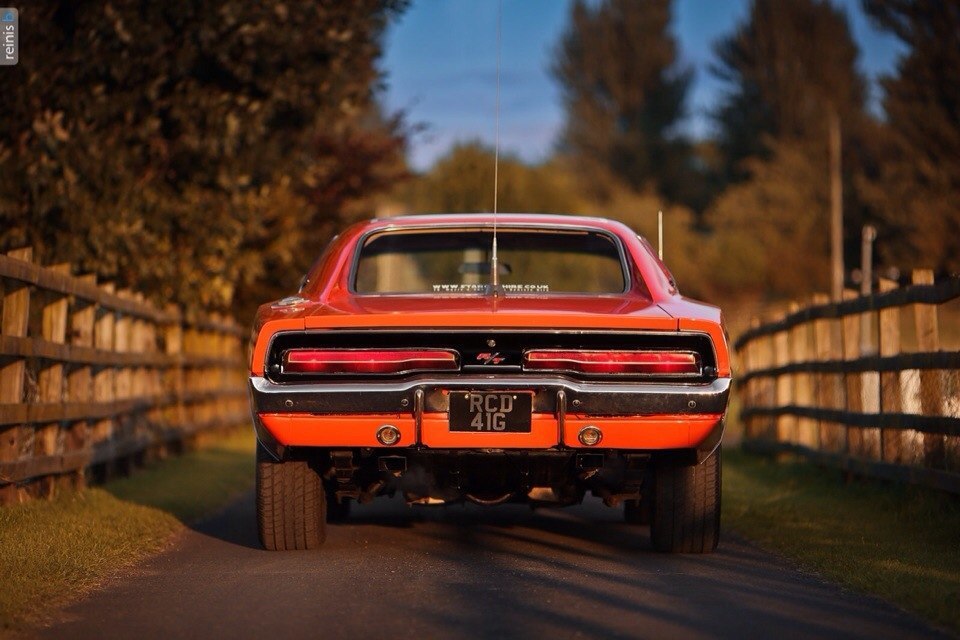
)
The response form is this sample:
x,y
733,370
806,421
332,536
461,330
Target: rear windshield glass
x,y
458,261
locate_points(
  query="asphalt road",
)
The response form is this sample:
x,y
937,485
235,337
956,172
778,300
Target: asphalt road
x,y
467,572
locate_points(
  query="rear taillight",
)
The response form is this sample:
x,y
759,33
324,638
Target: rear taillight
x,y
614,362
378,361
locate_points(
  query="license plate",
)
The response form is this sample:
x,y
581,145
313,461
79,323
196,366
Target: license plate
x,y
491,411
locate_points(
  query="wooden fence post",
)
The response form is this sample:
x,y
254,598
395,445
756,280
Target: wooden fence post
x,y
104,381
786,423
928,339
175,415
50,379
80,380
891,440
750,390
16,313
767,392
851,351
803,387
829,347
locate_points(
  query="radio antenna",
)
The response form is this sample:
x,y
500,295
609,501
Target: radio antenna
x,y
660,234
494,265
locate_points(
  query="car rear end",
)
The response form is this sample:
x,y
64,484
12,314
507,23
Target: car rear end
x,y
487,398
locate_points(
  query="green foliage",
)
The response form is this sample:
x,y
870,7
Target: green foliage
x,y
624,92
916,188
192,150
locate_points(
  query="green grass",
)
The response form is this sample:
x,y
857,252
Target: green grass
x,y
899,543
53,551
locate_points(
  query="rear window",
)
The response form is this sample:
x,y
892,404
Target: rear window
x,y
532,261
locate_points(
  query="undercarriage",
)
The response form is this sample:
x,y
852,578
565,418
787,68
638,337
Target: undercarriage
x,y
673,492
485,477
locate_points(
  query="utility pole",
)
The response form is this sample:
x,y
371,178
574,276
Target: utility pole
x,y
836,208
867,237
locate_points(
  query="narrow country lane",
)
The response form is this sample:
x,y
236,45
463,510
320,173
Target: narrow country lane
x,y
467,572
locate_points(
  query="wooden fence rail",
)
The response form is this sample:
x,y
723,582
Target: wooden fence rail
x,y
835,382
93,380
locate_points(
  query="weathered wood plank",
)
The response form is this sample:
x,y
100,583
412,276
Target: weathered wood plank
x,y
895,363
16,268
25,347
15,317
891,440
928,339
803,384
80,382
851,351
50,382
941,425
944,291
786,424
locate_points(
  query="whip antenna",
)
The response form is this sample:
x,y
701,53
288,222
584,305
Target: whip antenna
x,y
660,234
494,266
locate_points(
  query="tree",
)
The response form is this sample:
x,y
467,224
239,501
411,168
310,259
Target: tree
x,y
195,151
915,188
769,230
788,65
462,181
624,93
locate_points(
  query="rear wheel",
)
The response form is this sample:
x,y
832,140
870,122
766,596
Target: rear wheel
x,y
291,504
686,506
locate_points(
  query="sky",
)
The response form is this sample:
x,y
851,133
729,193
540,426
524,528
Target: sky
x,y
440,64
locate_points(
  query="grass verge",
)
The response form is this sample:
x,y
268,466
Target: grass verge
x,y
897,542
53,551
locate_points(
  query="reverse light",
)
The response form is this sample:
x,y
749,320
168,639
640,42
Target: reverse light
x,y
388,435
614,362
376,361
590,436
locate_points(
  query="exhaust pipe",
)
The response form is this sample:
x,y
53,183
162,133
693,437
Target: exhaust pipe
x,y
488,502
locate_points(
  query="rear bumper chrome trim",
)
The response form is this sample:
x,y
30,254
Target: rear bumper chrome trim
x,y
555,395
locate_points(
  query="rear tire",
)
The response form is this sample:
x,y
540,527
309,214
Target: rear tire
x,y
291,504
686,506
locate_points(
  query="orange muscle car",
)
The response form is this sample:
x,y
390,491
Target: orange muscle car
x,y
516,358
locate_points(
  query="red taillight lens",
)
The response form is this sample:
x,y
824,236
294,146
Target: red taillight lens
x,y
364,361
612,362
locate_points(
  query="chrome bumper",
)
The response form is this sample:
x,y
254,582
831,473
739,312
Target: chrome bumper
x,y
555,395
587,398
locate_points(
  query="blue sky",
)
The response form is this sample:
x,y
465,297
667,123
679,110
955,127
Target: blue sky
x,y
440,61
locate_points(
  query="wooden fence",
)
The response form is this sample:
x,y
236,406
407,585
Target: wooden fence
x,y
93,380
812,383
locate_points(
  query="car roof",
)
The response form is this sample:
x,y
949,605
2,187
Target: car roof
x,y
453,219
